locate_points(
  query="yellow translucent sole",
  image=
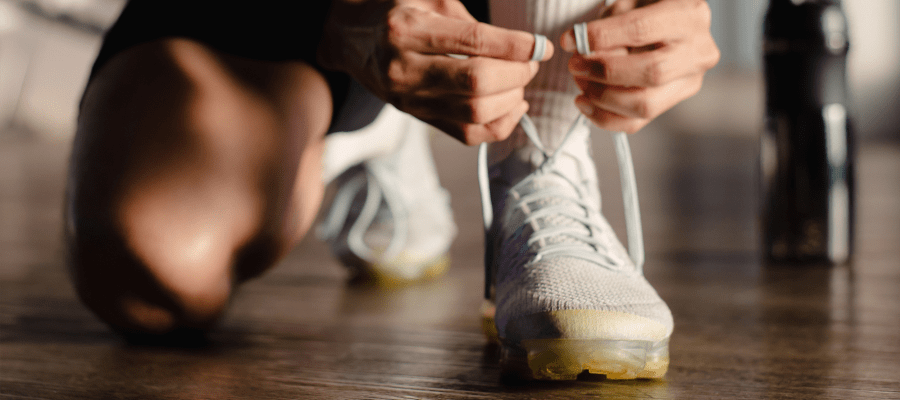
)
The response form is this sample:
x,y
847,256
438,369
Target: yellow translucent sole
x,y
383,276
566,359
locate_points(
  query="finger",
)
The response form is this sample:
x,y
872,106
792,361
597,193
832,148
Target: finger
x,y
477,76
432,33
665,21
640,103
647,69
609,120
473,134
472,110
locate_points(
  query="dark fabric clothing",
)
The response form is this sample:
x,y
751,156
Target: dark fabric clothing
x,y
269,30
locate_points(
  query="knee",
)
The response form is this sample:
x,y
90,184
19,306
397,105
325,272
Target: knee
x,y
155,261
169,202
137,287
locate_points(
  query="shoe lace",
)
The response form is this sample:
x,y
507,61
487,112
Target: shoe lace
x,y
373,179
541,233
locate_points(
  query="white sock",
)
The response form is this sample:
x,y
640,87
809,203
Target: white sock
x,y
551,94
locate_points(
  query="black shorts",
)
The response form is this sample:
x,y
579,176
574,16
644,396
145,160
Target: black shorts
x,y
268,30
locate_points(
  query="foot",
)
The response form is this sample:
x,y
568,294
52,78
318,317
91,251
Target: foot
x,y
568,297
390,221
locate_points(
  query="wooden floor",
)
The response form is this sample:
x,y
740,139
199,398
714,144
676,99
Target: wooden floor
x,y
742,330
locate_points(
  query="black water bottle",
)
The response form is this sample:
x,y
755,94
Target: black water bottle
x,y
807,149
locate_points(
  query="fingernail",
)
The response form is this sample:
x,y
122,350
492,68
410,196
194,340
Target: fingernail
x,y
567,42
585,108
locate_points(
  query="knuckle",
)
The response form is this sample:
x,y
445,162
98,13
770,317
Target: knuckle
x,y
478,111
472,39
644,108
469,78
639,29
602,39
436,77
656,73
397,77
472,112
399,23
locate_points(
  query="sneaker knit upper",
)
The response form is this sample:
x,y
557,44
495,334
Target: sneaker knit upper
x,y
553,248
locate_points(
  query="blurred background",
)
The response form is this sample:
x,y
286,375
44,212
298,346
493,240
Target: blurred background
x,y
47,47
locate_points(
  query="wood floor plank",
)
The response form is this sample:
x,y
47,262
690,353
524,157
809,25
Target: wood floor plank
x,y
743,330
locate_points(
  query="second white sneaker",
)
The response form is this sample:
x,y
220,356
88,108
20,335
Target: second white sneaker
x,y
390,220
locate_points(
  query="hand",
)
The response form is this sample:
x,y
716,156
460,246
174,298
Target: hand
x,y
644,60
399,50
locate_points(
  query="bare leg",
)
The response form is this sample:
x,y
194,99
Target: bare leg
x,y
191,172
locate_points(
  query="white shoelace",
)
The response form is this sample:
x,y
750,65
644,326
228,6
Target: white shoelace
x,y
627,178
373,180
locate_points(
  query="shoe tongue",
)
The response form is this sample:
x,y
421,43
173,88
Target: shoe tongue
x,y
574,162
572,167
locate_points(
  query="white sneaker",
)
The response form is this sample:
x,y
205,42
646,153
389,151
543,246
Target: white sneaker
x,y
390,220
568,297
